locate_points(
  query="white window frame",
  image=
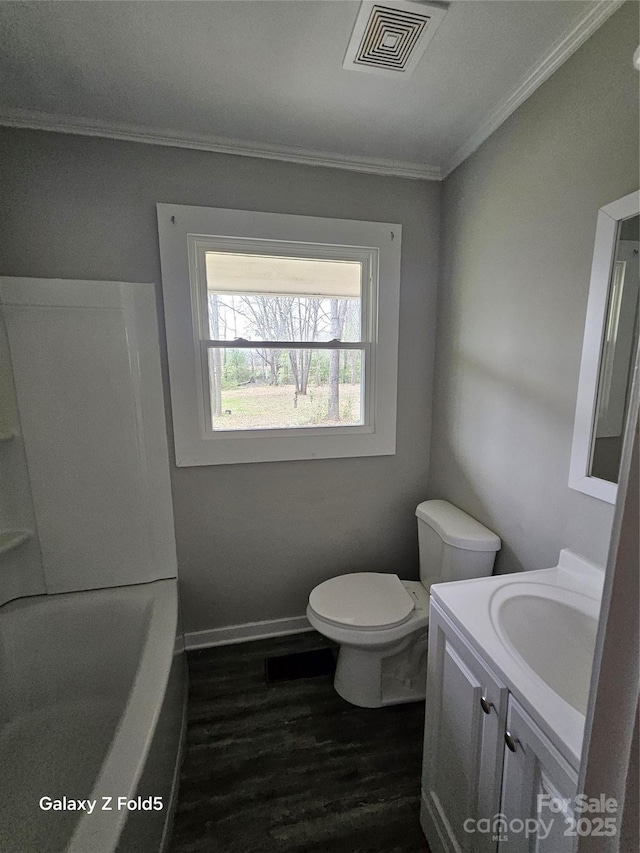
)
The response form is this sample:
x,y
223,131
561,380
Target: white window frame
x,y
186,233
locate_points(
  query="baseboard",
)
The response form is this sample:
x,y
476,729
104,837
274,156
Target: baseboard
x,y
243,633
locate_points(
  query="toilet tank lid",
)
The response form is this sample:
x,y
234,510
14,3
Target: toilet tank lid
x,y
457,528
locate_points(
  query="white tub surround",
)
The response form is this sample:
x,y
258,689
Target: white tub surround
x,y
537,631
86,367
92,689
89,682
20,561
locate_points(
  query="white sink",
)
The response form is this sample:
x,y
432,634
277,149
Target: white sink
x,y
553,632
537,631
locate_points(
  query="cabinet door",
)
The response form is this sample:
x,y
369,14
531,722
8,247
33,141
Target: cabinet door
x,y
538,788
464,725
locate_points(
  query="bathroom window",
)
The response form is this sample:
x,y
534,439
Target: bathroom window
x,y
282,334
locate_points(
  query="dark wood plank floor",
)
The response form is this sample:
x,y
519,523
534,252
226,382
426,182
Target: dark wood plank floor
x,y
290,767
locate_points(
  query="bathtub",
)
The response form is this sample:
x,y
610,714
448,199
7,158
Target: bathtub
x,y
92,710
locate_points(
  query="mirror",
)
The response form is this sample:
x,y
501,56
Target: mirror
x,y
619,343
609,350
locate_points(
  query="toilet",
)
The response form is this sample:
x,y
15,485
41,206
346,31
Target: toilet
x,y
380,621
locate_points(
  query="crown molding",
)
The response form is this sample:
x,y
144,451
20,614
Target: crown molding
x,y
562,49
220,144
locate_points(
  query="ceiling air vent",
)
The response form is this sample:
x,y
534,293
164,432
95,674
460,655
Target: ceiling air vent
x,y
390,37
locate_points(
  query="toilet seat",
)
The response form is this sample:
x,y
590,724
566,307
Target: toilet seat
x,y
362,601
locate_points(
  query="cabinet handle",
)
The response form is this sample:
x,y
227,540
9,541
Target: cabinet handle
x,y
486,705
511,741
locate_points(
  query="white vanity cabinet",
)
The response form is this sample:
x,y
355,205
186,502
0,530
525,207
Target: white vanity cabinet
x,y
484,756
465,716
537,785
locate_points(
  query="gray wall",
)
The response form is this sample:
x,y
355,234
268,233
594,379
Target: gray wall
x,y
519,220
252,539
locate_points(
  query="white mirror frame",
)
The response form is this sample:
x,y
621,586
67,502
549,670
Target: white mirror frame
x,y
603,256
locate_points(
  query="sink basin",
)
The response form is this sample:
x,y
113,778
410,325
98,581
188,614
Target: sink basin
x,y
551,631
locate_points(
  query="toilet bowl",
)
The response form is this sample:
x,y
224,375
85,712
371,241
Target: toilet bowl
x,y
381,621
374,618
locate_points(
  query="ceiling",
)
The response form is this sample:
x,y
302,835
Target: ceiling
x,y
265,77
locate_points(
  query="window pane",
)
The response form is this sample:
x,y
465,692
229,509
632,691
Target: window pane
x,y
284,388
266,298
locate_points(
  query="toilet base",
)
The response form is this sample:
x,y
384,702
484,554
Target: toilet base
x,y
374,678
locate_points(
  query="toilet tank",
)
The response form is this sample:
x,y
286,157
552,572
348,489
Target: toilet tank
x,y
453,545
